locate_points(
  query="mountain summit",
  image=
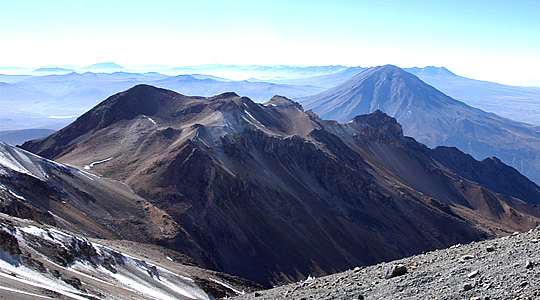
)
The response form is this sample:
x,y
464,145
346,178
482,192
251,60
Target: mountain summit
x,y
272,193
388,88
431,117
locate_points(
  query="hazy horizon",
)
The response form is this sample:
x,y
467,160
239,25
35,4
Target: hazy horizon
x,y
486,40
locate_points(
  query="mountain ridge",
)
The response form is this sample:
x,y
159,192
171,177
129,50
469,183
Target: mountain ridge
x,y
272,193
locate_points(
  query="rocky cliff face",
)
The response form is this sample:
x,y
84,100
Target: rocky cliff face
x,y
274,194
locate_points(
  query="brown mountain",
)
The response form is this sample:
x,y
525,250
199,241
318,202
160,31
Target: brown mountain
x,y
272,193
431,117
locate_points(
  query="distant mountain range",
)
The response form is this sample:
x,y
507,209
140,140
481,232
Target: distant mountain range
x,y
18,137
51,102
104,67
431,117
56,100
268,191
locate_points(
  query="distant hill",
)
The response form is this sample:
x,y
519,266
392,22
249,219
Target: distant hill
x,y
104,67
326,80
18,137
51,70
266,73
431,117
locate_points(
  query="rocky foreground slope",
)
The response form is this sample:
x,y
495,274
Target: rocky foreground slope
x,y
503,268
38,261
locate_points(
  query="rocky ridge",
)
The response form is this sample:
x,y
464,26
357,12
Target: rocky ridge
x,y
503,268
273,193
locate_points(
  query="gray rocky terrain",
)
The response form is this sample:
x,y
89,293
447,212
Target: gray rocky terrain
x,y
503,268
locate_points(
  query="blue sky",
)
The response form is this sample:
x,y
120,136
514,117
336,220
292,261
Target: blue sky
x,y
491,40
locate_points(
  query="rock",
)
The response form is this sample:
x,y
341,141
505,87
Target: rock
x,y
523,284
56,273
529,264
467,257
394,271
9,243
490,249
74,282
467,286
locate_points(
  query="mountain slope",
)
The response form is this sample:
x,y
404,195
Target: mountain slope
x,y
39,261
272,193
504,268
514,102
325,81
432,117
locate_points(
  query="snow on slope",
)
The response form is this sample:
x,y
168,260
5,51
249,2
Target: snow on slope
x,y
34,259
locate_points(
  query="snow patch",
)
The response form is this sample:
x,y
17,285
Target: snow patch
x,y
247,112
9,162
228,286
15,194
150,119
131,274
36,231
20,161
88,167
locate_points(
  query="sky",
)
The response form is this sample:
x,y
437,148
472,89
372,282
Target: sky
x,y
490,40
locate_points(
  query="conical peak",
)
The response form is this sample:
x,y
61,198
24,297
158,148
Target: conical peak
x,y
387,69
382,73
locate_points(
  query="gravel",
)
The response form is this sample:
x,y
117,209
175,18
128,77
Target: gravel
x,y
503,268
